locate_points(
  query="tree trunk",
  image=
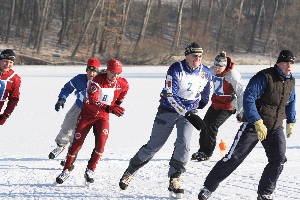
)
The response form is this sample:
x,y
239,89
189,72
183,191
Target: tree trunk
x,y
124,24
98,29
252,37
235,29
271,26
207,24
11,17
178,28
62,31
144,26
84,32
43,25
35,21
219,35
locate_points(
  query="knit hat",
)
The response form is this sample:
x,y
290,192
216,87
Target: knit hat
x,y
192,48
8,54
93,65
286,56
114,65
221,59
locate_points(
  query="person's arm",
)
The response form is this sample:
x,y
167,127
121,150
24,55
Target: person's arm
x,y
253,91
13,96
290,108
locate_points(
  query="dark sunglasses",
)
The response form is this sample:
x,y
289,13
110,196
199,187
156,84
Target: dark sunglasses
x,y
93,69
196,56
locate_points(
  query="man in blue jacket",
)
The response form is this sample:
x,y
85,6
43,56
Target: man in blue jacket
x,y
187,87
79,84
269,98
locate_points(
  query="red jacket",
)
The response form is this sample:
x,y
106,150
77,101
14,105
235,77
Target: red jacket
x,y
9,89
101,93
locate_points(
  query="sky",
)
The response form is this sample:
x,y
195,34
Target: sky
x,y
28,136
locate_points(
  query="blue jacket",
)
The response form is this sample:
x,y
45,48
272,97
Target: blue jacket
x,y
77,83
253,91
185,87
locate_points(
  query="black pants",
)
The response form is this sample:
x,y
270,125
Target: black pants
x,y
244,141
213,120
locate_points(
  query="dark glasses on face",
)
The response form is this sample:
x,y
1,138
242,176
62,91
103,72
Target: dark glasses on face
x,y
196,56
92,68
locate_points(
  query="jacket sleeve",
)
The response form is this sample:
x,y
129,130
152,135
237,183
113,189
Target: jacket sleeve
x,y
125,88
68,88
236,82
206,90
290,108
13,96
253,91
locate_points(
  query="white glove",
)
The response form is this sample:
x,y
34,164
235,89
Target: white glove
x,y
261,129
290,128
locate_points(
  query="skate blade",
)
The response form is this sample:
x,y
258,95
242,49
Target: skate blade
x,y
175,196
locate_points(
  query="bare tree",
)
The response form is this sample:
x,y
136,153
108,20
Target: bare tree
x,y
98,29
257,18
219,34
271,25
144,26
13,2
42,26
207,24
63,29
236,25
85,31
178,28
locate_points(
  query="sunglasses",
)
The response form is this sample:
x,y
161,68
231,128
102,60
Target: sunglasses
x,y
196,56
93,69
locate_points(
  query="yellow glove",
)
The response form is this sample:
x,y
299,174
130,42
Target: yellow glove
x,y
290,128
261,129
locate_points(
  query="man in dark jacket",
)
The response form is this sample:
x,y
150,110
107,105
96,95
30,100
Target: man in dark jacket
x,y
269,98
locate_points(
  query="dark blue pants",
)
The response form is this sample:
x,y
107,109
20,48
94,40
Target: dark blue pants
x,y
244,141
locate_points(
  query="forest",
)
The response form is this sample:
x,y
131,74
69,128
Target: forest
x,y
145,32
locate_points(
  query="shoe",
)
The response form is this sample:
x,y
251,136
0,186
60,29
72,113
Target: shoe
x,y
55,152
63,176
89,176
204,194
63,162
200,156
125,180
264,197
175,187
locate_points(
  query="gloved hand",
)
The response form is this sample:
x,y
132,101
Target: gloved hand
x,y
3,118
60,103
239,116
290,128
115,109
261,129
195,120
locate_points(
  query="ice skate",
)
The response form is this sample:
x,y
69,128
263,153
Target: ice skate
x,y
200,156
175,190
264,197
55,152
125,180
204,194
63,176
89,176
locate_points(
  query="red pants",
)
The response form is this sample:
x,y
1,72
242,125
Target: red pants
x,y
83,126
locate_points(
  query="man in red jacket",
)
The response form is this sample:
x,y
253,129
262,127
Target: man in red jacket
x,y
106,92
10,84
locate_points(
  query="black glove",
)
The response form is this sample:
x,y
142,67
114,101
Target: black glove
x,y
195,120
60,103
201,105
239,116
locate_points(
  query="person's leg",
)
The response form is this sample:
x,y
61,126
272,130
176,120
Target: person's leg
x,y
275,148
213,120
66,132
244,141
162,127
102,127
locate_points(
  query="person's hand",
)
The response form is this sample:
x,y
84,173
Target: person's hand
x,y
3,118
261,129
239,116
201,105
115,109
290,128
195,120
60,103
